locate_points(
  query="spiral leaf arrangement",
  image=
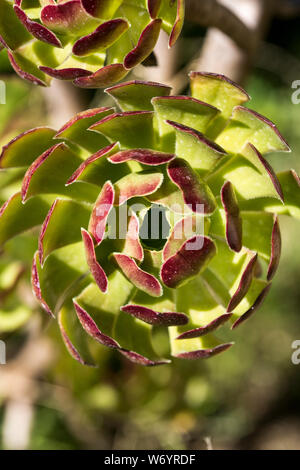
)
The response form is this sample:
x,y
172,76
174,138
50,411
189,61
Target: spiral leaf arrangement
x,y
194,162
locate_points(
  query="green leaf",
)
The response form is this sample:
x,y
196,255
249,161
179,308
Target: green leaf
x,y
12,31
16,217
247,126
62,226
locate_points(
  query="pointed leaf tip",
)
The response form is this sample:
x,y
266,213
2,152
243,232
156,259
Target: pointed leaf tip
x,y
96,269
155,318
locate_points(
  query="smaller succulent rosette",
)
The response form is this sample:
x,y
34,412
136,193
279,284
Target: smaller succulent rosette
x,y
161,215
94,43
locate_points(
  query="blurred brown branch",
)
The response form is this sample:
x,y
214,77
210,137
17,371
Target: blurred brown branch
x,y
212,14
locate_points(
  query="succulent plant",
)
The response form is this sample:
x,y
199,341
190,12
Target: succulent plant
x,y
95,43
163,214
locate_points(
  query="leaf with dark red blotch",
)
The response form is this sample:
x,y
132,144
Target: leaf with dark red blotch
x,y
204,353
38,30
178,23
92,329
145,44
65,74
76,175
196,193
144,156
97,271
133,246
153,7
233,220
155,318
275,249
137,184
190,259
103,77
254,307
204,330
103,37
101,211
142,360
244,284
141,279
22,73
67,18
36,288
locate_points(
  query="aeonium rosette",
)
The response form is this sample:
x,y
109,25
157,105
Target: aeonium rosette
x,y
95,43
162,215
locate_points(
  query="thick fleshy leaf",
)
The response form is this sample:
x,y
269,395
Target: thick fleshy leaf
x,y
271,180
65,73
104,308
143,156
219,91
275,250
201,153
145,44
141,279
133,246
155,318
247,126
185,111
234,228
103,77
132,129
137,184
244,284
101,211
103,36
195,348
92,329
26,69
76,131
74,337
204,330
36,287
178,22
68,18
251,176
290,184
153,7
38,30
197,195
64,274
12,33
183,230
188,262
62,226
49,173
26,147
96,169
137,95
253,308
95,268
16,217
